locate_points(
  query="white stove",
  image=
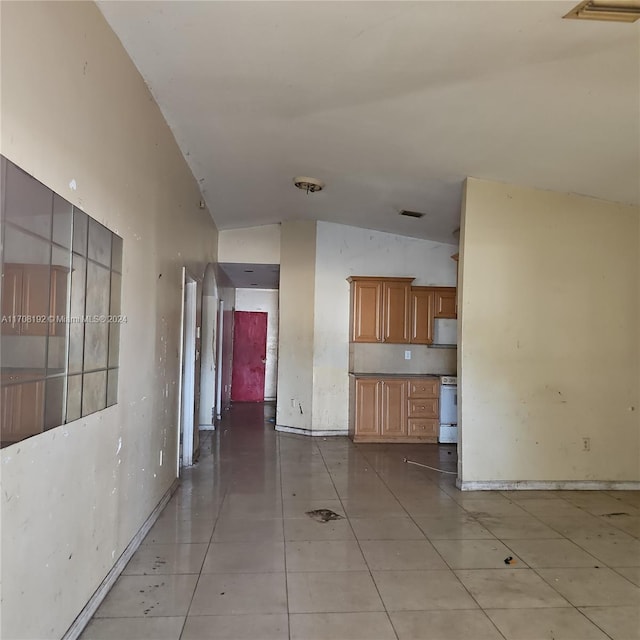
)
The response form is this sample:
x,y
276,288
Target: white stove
x,y
448,409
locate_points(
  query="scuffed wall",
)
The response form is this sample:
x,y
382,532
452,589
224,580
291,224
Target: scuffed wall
x,y
227,294
295,352
77,116
549,349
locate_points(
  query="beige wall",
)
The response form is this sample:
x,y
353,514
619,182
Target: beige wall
x,y
75,108
550,350
390,358
295,351
257,245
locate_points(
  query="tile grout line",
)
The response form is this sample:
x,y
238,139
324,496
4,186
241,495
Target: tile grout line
x,y
480,608
215,523
358,541
284,538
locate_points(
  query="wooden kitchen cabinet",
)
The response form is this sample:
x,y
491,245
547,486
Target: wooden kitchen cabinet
x,y
445,302
367,408
22,412
380,309
391,311
37,291
395,409
366,310
396,321
424,409
11,299
422,314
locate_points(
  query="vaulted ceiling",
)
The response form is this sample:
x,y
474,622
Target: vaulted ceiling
x,y
392,104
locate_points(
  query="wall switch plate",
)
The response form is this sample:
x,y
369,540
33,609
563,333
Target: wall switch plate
x,y
407,355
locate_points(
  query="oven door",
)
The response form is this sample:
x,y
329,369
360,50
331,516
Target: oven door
x,y
448,404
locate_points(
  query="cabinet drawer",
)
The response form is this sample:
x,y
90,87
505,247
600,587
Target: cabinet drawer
x,y
423,427
424,408
424,387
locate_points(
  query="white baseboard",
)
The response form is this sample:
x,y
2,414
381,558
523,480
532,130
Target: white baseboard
x,y
311,432
547,485
206,427
96,599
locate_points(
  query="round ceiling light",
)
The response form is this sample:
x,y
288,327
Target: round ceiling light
x,y
310,185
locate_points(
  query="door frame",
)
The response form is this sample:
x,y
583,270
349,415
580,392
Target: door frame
x,y
186,387
219,360
237,314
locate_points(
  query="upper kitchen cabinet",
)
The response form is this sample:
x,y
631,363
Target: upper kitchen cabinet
x,y
366,310
445,302
422,313
380,309
396,300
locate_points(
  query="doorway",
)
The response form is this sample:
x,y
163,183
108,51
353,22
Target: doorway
x,y
249,356
189,396
209,353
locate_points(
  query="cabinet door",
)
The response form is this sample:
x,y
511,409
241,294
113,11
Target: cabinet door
x,y
367,407
424,387
424,408
366,305
35,298
396,298
31,419
11,299
9,412
423,428
58,300
422,311
445,302
394,408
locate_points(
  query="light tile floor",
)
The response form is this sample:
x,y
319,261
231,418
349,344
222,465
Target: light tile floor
x,y
234,557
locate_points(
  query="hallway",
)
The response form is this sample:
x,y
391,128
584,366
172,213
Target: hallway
x,y
234,556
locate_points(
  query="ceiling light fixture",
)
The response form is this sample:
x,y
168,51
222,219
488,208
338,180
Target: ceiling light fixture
x,y
607,10
310,185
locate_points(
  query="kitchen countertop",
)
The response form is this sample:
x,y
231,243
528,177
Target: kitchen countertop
x,y
399,375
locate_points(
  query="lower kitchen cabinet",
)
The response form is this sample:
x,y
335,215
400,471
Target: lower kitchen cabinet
x,y
367,407
22,413
385,409
393,414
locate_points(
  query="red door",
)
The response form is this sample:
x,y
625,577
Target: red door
x,y
249,355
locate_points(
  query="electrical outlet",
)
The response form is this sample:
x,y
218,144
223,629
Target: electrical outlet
x,y
293,403
586,444
407,355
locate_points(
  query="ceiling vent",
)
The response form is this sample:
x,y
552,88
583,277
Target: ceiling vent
x,y
607,10
412,214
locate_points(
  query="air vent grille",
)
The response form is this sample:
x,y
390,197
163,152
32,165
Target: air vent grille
x,y
412,214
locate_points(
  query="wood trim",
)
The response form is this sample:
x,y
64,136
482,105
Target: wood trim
x,y
398,440
377,278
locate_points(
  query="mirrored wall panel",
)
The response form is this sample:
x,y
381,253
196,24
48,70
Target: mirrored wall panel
x,y
61,312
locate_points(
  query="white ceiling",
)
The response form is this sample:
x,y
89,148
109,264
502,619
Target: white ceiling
x,y
252,276
391,103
